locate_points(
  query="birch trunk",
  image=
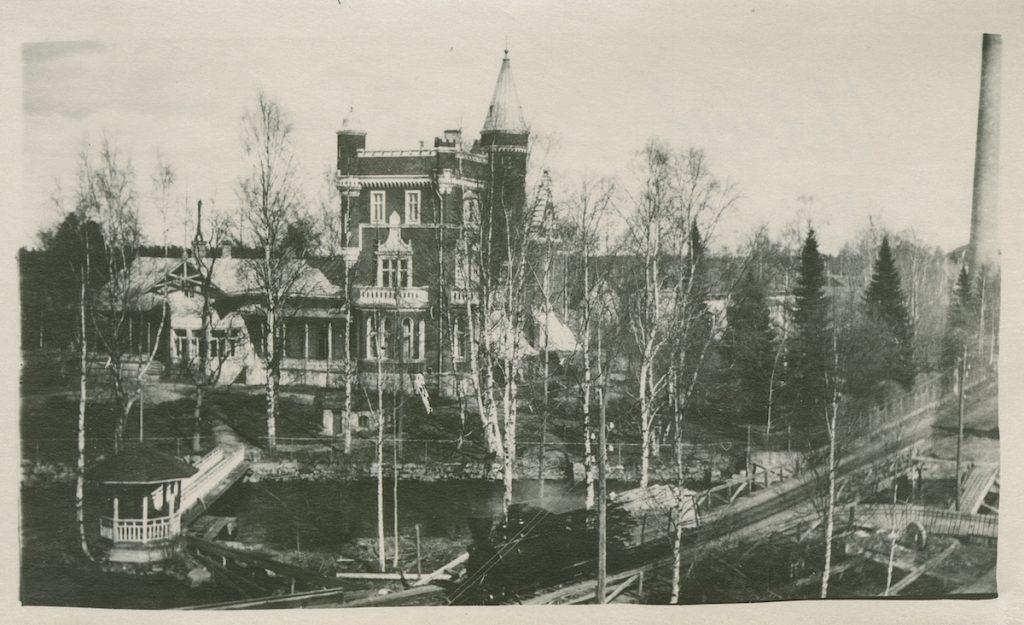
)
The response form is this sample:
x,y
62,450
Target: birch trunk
x,y
588,448
349,374
509,423
197,420
80,472
272,380
381,545
488,420
602,464
831,504
645,425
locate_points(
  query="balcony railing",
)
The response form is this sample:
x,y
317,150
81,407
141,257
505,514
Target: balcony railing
x,y
138,530
459,297
402,297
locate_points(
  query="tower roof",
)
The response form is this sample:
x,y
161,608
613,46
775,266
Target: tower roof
x,y
351,124
505,113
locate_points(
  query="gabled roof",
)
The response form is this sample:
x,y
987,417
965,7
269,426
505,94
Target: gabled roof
x,y
231,276
505,113
141,464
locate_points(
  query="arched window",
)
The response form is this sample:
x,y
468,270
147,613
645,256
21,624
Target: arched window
x,y
371,339
384,337
407,339
456,339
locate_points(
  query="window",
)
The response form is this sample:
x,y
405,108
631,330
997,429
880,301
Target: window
x,y
364,421
460,339
404,275
371,339
388,272
193,345
181,344
395,272
377,207
338,341
295,340
384,336
471,210
407,339
217,343
412,207
317,340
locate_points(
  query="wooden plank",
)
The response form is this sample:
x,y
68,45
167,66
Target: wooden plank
x,y
394,598
426,579
258,560
396,577
913,576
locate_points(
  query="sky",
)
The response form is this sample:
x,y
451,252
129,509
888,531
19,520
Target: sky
x,y
831,115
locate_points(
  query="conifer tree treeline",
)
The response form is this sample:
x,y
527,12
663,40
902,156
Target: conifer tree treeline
x,y
810,356
748,344
886,307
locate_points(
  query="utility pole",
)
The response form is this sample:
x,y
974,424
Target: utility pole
x,y
602,492
962,383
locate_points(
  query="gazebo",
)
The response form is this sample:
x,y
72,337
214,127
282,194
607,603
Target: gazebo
x,y
143,490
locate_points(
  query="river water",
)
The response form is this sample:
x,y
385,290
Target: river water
x,y
315,516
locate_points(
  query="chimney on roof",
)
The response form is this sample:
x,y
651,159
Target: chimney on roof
x,y
199,243
453,137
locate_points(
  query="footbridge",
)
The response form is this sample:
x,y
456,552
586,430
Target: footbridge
x,y
217,471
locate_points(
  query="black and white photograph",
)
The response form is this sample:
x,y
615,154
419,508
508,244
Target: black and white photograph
x,y
348,304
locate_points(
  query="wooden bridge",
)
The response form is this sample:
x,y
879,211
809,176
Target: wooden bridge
x,y
934,520
217,471
976,485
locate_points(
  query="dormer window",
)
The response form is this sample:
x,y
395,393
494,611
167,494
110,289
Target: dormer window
x,y
412,207
377,207
394,272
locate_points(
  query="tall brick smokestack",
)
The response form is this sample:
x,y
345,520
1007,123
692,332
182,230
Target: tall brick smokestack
x,y
984,246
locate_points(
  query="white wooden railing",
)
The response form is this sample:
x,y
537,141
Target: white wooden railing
x,y
406,296
138,530
213,467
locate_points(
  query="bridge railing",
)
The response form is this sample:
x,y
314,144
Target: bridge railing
x,y
213,467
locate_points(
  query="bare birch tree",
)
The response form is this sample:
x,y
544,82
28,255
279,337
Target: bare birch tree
x,y
107,194
270,200
589,207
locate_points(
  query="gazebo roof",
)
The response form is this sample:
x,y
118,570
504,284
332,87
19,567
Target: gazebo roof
x,y
141,464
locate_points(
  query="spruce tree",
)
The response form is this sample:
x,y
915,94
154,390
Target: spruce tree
x,y
748,344
811,360
887,309
961,322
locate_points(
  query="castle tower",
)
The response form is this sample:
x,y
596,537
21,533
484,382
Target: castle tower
x,y
984,246
505,138
351,139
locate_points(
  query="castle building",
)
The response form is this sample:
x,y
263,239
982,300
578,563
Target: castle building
x,y
406,216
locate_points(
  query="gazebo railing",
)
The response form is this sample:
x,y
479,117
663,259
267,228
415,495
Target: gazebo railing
x,y
138,530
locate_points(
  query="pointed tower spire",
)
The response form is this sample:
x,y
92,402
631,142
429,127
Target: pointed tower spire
x,y
505,113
